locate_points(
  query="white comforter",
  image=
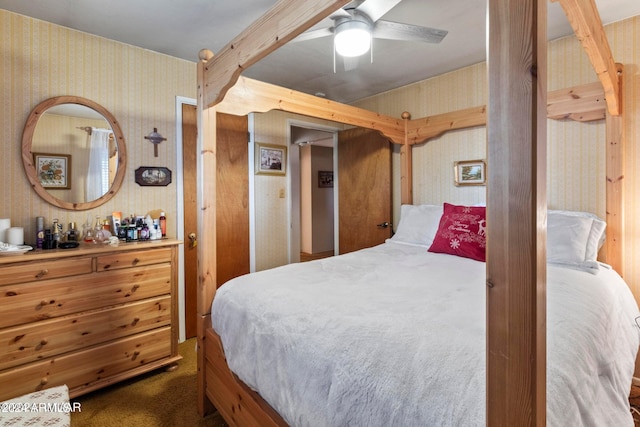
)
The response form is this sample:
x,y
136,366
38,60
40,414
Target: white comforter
x,y
395,336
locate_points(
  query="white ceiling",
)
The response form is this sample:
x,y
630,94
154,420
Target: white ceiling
x,y
182,28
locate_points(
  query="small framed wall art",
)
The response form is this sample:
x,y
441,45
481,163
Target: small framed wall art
x,y
54,170
153,176
271,159
470,172
325,179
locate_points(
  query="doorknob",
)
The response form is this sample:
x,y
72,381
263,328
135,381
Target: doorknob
x,y
193,241
383,225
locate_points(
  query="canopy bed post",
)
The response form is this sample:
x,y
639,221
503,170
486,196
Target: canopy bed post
x,y
206,221
406,164
516,212
615,181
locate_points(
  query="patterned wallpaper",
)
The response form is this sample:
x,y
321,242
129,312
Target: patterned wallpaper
x,y
272,218
576,151
40,60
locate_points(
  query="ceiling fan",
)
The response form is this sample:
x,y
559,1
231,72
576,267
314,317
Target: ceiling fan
x,y
355,25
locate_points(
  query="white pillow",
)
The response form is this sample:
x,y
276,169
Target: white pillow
x,y
418,225
574,238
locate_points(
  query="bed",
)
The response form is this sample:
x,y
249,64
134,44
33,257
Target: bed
x,y
394,335
516,268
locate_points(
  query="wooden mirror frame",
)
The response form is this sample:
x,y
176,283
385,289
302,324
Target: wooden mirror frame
x,y
27,154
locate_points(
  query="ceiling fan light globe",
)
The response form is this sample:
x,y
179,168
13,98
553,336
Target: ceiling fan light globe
x,y
352,38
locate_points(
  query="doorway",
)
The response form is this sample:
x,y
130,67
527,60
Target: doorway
x,y
317,206
314,208
362,186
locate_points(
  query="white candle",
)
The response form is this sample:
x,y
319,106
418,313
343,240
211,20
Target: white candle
x,y
15,236
5,224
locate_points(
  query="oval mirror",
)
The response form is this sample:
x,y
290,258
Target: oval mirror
x,y
73,152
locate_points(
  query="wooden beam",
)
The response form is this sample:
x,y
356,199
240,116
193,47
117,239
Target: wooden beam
x,y
420,130
406,165
584,18
581,103
279,25
516,213
614,247
206,221
249,95
207,131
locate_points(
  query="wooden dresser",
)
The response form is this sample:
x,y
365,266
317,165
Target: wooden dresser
x,y
87,317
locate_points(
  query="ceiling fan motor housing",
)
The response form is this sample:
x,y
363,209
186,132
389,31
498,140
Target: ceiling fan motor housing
x,y
353,35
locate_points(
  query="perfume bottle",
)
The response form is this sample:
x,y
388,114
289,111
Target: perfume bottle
x,y
72,233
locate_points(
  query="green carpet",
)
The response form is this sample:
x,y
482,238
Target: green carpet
x,y
156,399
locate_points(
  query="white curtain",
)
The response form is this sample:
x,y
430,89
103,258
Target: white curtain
x,y
98,171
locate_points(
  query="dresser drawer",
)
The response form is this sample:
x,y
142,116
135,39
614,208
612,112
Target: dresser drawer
x,y
83,368
29,302
44,270
133,259
36,341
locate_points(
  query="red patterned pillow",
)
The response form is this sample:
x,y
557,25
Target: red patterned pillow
x,y
462,232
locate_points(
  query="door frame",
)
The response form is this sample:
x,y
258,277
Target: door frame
x,y
180,100
293,184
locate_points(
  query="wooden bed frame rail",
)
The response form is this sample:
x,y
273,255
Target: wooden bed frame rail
x,y
238,404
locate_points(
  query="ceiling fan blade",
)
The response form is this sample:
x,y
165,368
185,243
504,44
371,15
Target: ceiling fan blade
x,y
376,9
407,32
314,34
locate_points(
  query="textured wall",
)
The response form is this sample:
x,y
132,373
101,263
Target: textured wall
x,y
40,60
272,217
576,151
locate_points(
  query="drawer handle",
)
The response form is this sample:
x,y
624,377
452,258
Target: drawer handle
x,y
42,273
44,303
44,341
135,288
44,381
135,261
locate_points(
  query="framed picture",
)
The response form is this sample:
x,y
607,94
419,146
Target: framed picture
x,y
271,159
153,176
54,170
325,179
470,172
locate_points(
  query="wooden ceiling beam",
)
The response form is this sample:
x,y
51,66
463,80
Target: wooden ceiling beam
x,y
279,25
584,18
